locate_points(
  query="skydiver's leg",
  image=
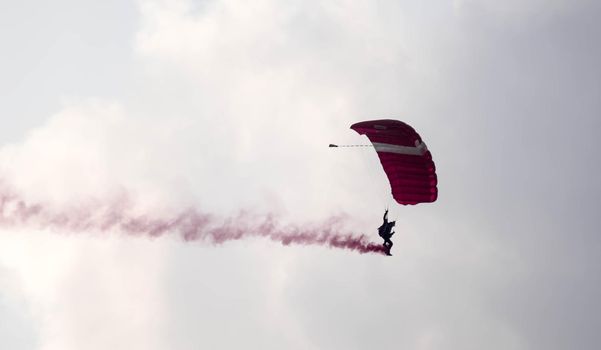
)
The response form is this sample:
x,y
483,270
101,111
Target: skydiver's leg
x,y
387,248
388,244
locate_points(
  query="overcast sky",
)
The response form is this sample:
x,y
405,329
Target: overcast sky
x,y
229,105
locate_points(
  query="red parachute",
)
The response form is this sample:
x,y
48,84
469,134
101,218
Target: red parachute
x,y
405,159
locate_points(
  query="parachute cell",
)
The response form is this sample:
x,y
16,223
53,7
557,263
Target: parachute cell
x,y
405,158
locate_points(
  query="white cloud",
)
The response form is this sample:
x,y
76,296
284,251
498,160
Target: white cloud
x,y
279,81
513,9
87,292
94,149
81,289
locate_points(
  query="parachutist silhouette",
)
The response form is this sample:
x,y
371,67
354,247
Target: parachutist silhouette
x,y
385,231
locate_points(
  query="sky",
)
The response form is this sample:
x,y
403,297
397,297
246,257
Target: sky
x,y
228,106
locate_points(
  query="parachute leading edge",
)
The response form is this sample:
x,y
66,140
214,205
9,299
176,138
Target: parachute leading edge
x,y
405,158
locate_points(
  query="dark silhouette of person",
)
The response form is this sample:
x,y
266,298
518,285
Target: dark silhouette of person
x,y
385,231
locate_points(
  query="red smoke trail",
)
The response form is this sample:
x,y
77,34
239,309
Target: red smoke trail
x,y
191,224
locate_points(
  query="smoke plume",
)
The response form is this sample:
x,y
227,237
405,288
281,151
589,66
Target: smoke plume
x,y
191,224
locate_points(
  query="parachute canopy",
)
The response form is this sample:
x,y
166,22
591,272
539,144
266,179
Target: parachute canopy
x,y
405,159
